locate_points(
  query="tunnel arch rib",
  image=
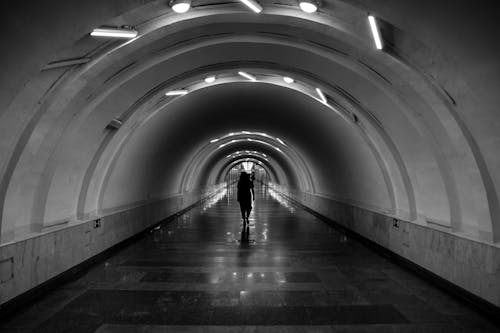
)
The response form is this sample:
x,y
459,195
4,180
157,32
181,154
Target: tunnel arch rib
x,y
55,122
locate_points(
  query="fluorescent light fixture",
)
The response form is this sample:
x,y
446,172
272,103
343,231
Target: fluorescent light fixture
x,y
253,5
114,32
214,140
176,92
288,79
321,96
248,76
180,6
308,6
375,32
210,79
280,141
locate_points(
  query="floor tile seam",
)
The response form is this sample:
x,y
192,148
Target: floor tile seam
x,y
205,287
235,252
308,314
249,328
215,267
209,270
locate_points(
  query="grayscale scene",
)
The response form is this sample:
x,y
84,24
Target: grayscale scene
x,y
250,166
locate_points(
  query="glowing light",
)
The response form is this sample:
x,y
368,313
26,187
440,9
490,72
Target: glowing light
x,y
288,79
307,6
250,152
248,166
248,76
210,79
176,93
257,141
248,133
375,32
181,6
321,96
253,5
114,32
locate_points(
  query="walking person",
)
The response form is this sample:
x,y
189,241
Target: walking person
x,y
245,195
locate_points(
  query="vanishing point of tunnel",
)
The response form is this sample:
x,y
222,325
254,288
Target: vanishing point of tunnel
x,y
369,131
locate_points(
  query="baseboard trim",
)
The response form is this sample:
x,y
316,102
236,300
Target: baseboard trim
x,y
481,305
13,305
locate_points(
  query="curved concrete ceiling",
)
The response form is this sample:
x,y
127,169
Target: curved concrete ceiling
x,y
410,131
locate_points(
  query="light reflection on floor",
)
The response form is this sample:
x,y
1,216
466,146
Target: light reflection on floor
x,y
281,199
221,194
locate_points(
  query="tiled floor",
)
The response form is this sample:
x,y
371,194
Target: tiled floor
x,y
289,273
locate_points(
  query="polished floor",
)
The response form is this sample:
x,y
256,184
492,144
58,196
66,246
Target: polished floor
x,y
288,272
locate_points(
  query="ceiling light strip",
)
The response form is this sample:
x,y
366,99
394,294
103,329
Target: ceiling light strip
x,y
210,79
375,32
253,5
321,95
248,76
114,32
181,92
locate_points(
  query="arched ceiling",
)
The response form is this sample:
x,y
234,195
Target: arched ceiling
x,y
409,131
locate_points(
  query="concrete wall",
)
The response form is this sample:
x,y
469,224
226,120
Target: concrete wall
x,y
27,263
467,263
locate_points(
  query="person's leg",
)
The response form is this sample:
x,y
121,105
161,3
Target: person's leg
x,y
246,213
243,211
249,210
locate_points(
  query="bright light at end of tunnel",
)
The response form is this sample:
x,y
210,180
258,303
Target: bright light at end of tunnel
x,y
308,6
321,95
210,79
253,5
248,166
181,6
248,76
375,32
288,79
176,92
114,32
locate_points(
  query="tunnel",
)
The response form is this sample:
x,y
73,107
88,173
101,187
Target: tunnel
x,y
372,125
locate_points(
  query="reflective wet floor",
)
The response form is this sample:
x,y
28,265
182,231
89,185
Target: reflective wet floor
x,y
288,272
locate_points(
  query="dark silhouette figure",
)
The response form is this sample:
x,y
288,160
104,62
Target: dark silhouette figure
x,y
245,195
